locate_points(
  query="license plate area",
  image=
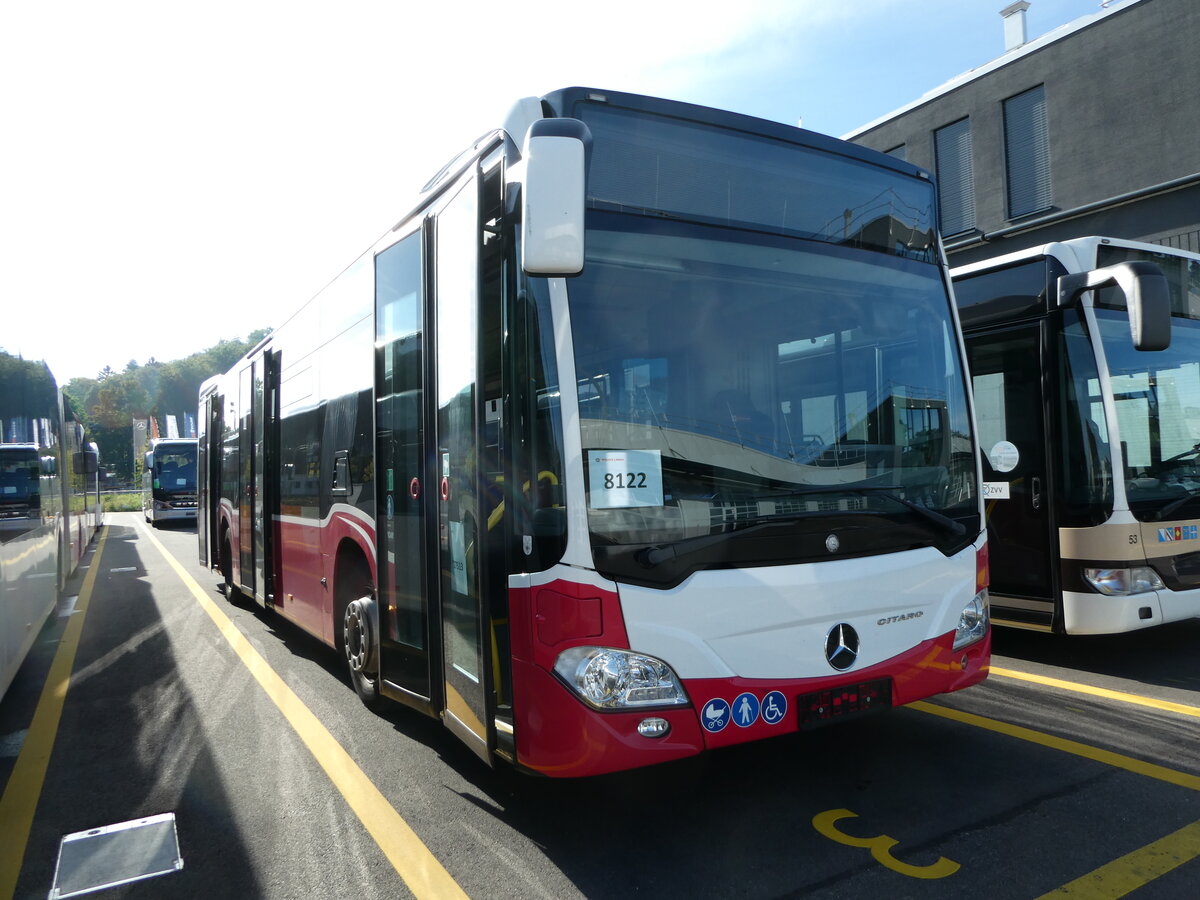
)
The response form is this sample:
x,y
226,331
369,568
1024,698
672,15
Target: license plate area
x,y
847,701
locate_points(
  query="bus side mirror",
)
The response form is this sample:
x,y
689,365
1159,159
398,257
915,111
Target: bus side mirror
x,y
84,463
553,197
1147,298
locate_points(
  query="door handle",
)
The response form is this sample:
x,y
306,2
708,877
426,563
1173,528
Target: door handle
x,y
1035,492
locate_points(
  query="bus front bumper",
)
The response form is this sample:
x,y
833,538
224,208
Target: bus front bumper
x,y
560,736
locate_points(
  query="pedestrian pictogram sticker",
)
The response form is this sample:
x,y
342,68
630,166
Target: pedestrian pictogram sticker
x,y
745,710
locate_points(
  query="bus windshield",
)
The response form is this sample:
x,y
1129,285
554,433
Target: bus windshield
x,y
20,470
1157,395
742,378
175,468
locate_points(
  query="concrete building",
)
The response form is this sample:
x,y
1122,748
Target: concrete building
x,y
1092,128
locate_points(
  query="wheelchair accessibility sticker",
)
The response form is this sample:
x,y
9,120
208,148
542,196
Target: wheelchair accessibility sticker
x,y
774,707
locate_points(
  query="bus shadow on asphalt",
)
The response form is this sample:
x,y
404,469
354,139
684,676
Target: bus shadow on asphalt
x,y
129,721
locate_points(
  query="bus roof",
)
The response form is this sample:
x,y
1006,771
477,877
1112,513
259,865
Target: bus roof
x,y
562,103
1075,254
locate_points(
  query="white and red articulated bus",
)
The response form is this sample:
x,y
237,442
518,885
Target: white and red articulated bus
x,y
646,431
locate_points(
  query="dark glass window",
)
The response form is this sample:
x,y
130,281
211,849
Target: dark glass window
x,y
1001,295
1085,463
1182,274
1027,153
399,323
956,176
692,170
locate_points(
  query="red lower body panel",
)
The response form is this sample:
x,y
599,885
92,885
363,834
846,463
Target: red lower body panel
x,y
558,735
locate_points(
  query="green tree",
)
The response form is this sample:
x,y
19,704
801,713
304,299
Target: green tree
x,y
109,403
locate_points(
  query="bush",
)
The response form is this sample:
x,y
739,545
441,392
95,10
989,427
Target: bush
x,y
124,502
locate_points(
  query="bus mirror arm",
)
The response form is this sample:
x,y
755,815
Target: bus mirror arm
x,y
1147,298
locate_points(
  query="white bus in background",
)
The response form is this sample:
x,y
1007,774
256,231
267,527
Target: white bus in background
x,y
169,481
1091,444
49,504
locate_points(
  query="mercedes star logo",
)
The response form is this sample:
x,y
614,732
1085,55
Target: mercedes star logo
x,y
841,646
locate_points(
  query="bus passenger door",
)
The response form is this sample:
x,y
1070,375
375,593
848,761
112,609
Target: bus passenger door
x,y
210,473
203,418
246,481
259,396
461,497
266,472
1007,374
404,492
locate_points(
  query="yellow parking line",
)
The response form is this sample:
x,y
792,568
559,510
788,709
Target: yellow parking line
x,y
1131,871
1136,869
1117,760
412,860
1165,705
19,803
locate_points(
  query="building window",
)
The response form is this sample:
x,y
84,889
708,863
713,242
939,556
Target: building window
x,y
1027,153
900,152
956,179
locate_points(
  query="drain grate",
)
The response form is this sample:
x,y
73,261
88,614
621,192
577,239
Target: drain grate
x,y
116,854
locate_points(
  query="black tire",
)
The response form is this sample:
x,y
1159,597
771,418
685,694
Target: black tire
x,y
226,562
360,640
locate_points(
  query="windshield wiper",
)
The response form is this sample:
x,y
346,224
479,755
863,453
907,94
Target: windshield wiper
x,y
887,491
652,556
1163,513
1178,456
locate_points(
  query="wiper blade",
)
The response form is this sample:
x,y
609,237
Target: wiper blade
x,y
953,526
1165,512
652,556
888,491
1178,456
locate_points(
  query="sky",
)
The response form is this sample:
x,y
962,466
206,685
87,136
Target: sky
x,y
172,175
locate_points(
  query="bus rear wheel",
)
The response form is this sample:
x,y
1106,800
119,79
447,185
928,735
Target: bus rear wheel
x,y
360,629
227,566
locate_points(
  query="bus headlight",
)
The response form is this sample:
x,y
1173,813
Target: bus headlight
x,y
972,621
619,679
1121,582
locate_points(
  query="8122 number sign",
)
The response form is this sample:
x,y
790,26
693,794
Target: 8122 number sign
x,y
620,479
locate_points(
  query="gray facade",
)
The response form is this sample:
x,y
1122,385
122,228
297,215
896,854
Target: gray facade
x,y
1119,131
